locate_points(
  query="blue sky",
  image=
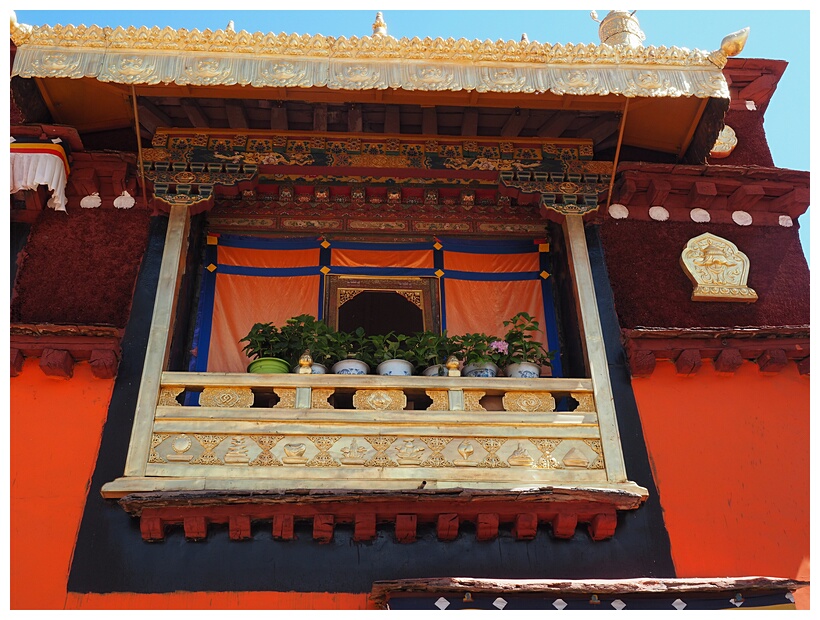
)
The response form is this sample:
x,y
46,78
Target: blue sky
x,y
782,35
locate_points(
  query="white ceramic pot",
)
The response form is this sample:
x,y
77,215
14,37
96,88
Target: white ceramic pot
x,y
439,370
350,367
395,367
315,369
524,370
487,369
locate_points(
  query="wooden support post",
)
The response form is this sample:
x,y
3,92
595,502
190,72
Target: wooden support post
x,y
104,363
526,526
364,527
406,528
564,524
323,528
171,271
447,526
57,363
728,361
486,526
603,525
17,361
773,360
239,527
688,362
151,527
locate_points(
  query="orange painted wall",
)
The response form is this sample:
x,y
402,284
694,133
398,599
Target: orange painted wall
x,y
730,456
56,426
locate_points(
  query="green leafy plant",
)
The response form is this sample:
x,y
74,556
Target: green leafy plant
x,y
306,333
346,345
265,340
389,346
520,338
429,348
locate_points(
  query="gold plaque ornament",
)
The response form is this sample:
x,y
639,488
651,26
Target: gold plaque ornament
x,y
717,269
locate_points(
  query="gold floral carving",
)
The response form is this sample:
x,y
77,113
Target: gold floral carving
x,y
545,447
168,396
725,143
414,297
210,443
379,400
319,396
491,446
381,444
595,444
141,56
323,458
472,400
717,269
265,458
346,294
287,398
436,444
156,439
440,398
528,401
586,401
226,397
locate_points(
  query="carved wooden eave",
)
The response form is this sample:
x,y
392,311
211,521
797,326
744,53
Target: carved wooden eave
x,y
753,79
524,510
765,193
647,587
190,57
771,348
60,347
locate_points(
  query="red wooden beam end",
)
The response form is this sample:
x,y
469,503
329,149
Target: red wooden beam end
x,y
688,362
447,526
364,527
728,360
772,360
103,363
151,528
57,363
641,363
486,526
323,528
283,527
563,525
804,366
526,526
603,525
239,527
17,360
406,528
196,528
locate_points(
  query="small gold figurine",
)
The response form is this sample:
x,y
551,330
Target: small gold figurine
x,y
306,363
452,366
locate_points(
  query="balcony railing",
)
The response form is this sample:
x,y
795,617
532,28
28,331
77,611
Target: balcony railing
x,y
222,431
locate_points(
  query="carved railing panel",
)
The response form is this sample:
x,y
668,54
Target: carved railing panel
x,y
254,432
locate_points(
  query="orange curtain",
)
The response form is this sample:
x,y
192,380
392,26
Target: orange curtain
x,y
412,259
240,301
475,306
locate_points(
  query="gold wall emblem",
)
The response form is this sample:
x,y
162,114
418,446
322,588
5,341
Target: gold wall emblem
x,y
717,269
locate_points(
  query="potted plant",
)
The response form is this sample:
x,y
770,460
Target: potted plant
x,y
525,355
306,333
351,350
429,351
390,352
483,355
267,348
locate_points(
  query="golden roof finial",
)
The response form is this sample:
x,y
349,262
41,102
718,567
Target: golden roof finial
x,y
620,28
731,45
379,26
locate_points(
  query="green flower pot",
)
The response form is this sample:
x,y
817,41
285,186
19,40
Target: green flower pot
x,y
268,365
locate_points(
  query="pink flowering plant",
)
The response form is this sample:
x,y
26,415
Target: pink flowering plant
x,y
481,348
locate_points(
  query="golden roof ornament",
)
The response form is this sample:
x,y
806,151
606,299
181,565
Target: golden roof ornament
x,y
524,38
619,28
731,45
379,26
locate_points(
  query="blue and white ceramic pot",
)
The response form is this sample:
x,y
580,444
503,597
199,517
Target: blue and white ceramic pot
x,y
395,367
524,370
350,367
487,369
